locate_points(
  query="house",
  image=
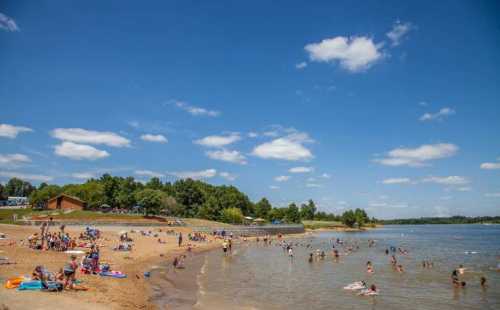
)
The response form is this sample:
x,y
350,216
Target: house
x,y
65,202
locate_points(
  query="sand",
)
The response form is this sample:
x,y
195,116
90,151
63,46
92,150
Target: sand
x,y
134,292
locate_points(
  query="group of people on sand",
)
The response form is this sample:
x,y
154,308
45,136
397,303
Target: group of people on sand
x,y
63,279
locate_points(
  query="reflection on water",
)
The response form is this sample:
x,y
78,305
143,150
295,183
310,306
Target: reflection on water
x,y
264,277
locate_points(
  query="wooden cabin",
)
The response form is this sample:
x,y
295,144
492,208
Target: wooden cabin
x,y
65,202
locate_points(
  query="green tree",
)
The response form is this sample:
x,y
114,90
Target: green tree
x,y
262,208
292,214
187,192
18,188
153,201
110,187
39,198
210,210
232,215
349,218
154,183
3,196
361,217
308,210
277,214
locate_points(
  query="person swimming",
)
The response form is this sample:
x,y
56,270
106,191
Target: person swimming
x,y
369,267
483,282
400,269
461,269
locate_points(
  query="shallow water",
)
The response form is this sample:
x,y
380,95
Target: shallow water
x,y
264,277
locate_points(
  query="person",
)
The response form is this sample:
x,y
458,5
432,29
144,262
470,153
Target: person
x,y
230,245
454,277
386,251
393,260
224,247
180,239
290,252
322,255
372,289
461,269
310,257
369,267
70,272
483,282
400,269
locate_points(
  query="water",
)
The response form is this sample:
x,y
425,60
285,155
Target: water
x,y
263,277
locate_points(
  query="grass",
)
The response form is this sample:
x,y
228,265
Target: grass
x,y
322,224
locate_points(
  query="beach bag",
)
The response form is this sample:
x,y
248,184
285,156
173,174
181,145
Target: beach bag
x,y
105,267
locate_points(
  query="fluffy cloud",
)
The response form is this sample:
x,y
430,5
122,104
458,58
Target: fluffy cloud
x,y
274,187
154,138
11,131
7,23
398,32
490,166
195,175
79,135
218,141
449,180
444,112
253,135
79,151
149,173
492,195
13,160
377,204
301,65
228,176
26,176
290,147
196,111
301,169
396,181
418,157
227,155
326,176
84,175
282,178
354,54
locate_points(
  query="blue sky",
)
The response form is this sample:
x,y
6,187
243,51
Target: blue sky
x,y
393,107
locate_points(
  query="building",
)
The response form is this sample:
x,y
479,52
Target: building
x,y
65,202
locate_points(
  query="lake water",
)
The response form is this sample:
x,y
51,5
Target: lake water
x,y
256,276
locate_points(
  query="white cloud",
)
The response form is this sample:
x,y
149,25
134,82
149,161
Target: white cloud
x,y
418,157
449,180
301,65
253,134
196,111
441,211
149,173
492,195
84,175
444,112
79,135
354,54
464,189
154,138
227,155
313,185
11,131
79,151
7,23
195,175
301,169
398,32
396,181
490,166
218,141
282,178
26,176
326,176
423,103
13,160
228,176
274,187
290,147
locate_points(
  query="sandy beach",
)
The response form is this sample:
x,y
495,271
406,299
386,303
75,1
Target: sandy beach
x,y
133,292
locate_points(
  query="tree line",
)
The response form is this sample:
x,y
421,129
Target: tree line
x,y
457,219
182,198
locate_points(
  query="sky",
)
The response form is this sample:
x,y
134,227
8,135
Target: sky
x,y
389,106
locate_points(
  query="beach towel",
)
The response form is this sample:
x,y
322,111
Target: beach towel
x,y
30,285
14,282
113,274
74,252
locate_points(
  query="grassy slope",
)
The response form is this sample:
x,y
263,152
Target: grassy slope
x,y
322,224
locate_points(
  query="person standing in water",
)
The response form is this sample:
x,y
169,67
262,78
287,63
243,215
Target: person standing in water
x,y
290,253
180,239
224,247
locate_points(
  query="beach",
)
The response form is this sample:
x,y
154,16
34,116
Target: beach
x,y
133,292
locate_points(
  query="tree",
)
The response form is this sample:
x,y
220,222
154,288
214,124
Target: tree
x,y
292,214
277,214
210,209
110,187
262,208
39,198
18,188
348,218
308,210
187,193
154,183
3,196
361,217
232,215
153,201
